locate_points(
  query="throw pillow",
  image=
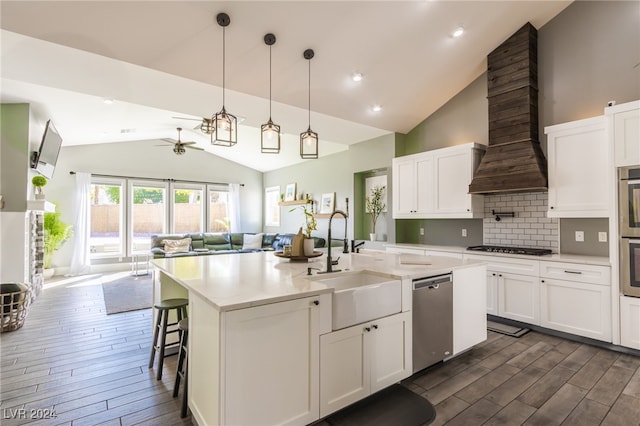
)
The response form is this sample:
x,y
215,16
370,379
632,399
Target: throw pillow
x,y
177,246
252,242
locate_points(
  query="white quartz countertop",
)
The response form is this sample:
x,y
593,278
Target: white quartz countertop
x,y
555,257
242,280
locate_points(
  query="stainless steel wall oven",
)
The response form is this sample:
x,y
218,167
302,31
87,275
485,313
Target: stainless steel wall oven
x,y
629,208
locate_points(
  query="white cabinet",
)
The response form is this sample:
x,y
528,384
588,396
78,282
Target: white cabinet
x,y
512,287
271,365
469,307
576,298
413,183
624,120
579,168
630,322
435,184
360,360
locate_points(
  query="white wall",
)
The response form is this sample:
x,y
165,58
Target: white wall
x,y
146,159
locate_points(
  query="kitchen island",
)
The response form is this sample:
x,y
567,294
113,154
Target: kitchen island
x,y
255,324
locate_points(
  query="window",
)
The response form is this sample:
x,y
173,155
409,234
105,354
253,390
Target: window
x,y
188,208
271,206
219,209
148,213
107,225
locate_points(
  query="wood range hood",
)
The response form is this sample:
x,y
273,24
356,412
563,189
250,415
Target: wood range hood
x,y
514,161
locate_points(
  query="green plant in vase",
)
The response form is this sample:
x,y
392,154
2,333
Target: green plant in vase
x,y
310,225
56,232
38,182
375,206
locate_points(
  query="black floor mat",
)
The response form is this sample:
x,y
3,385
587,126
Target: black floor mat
x,y
394,406
507,329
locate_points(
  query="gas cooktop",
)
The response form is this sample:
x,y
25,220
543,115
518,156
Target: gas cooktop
x,y
511,250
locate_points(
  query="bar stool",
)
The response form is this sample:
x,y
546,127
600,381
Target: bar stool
x,y
181,371
163,328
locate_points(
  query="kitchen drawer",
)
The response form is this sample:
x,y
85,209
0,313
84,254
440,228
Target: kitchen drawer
x,y
578,272
510,265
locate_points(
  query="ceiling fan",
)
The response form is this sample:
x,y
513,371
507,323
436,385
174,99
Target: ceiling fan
x,y
205,125
179,146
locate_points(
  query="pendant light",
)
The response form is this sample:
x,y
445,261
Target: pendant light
x,y
224,129
309,139
270,132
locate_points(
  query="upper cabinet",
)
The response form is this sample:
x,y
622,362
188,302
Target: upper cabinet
x,y
579,168
624,122
435,184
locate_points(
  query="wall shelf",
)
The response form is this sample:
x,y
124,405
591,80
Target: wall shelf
x,y
293,203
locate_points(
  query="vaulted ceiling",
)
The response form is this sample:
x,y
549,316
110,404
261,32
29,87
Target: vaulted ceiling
x,y
158,60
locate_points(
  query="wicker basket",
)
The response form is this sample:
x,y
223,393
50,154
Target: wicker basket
x,y
15,299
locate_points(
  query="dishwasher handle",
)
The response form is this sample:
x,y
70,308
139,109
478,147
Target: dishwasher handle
x,y
432,282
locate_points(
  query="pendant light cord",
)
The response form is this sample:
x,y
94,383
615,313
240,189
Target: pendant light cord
x,y
269,82
223,63
309,109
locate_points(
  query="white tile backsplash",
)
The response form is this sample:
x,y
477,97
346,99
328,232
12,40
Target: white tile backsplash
x,y
529,228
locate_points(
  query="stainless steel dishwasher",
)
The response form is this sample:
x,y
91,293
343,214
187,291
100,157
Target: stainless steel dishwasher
x,y
432,320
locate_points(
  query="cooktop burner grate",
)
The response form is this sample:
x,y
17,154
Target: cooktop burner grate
x,y
511,250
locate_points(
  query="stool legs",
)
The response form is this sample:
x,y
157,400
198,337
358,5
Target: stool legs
x,y
156,330
181,370
161,330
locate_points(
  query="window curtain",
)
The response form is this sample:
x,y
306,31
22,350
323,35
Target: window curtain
x,y
80,260
234,207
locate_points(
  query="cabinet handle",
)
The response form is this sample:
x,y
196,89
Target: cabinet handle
x,y
541,281
316,302
551,207
494,274
573,272
499,275
375,326
367,329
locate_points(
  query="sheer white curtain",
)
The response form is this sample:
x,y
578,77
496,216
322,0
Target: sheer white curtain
x,y
80,261
234,207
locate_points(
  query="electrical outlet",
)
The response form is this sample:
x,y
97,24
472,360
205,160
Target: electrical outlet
x,y
580,236
602,237
464,232
421,231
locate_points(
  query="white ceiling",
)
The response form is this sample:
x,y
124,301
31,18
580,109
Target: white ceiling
x,y
163,59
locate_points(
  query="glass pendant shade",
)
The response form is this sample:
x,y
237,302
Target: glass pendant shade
x,y
309,144
270,138
270,132
224,129
309,139
223,126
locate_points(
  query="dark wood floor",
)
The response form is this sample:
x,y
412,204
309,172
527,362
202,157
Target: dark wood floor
x,y
89,368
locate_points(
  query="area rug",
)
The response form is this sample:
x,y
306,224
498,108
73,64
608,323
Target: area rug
x,y
127,294
507,329
395,405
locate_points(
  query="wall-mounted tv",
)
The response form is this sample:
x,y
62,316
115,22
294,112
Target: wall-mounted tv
x,y
45,158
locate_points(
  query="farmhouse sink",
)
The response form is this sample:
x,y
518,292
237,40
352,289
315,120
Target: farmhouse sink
x,y
361,296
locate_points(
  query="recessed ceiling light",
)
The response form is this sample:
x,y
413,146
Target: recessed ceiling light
x,y
357,76
108,101
458,32
376,108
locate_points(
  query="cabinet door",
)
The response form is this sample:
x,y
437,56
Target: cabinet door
x,y
492,292
271,366
626,134
579,170
630,322
389,350
344,368
469,307
424,185
453,176
577,308
519,297
404,187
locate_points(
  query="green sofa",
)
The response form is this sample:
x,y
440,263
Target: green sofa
x,y
208,243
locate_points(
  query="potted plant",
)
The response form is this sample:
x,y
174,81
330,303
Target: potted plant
x,y
310,224
56,232
38,182
375,206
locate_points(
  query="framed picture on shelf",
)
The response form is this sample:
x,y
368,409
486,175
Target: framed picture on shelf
x,y
327,202
290,192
